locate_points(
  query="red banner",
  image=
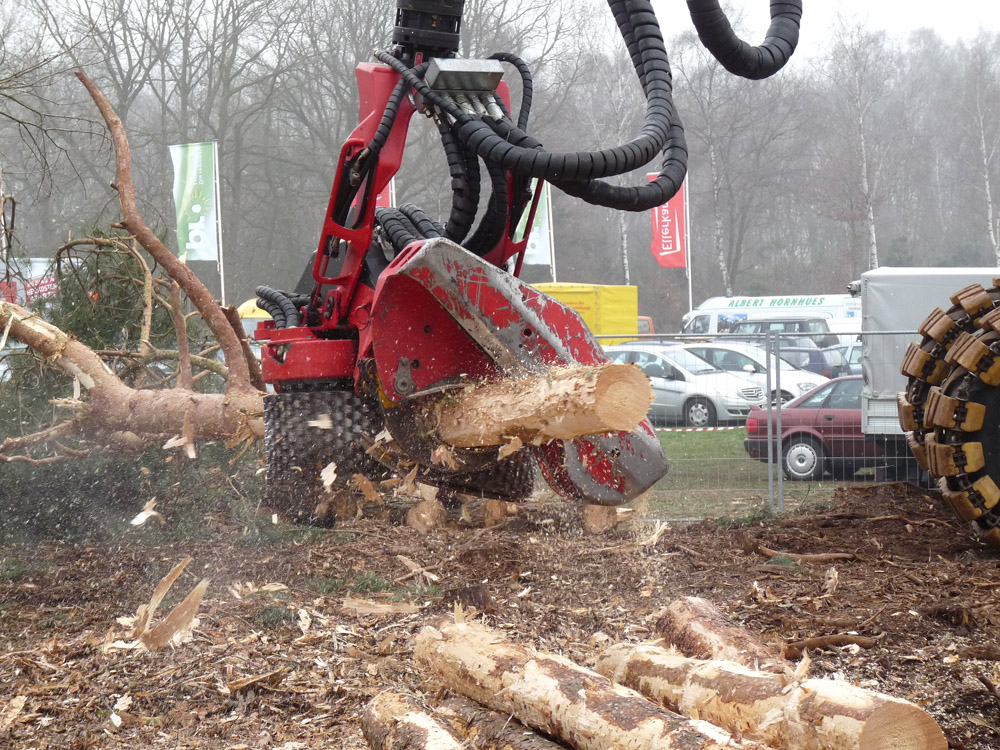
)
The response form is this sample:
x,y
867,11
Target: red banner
x,y
8,291
670,231
43,286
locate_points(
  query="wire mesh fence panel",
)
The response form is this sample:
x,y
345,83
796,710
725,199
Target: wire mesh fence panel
x,y
720,403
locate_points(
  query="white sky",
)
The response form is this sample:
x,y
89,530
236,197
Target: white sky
x,y
898,18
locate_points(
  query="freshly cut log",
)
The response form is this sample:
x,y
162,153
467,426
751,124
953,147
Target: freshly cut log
x,y
814,714
565,403
550,693
394,721
484,729
696,627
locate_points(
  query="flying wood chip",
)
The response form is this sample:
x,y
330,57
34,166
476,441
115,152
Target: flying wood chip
x,y
146,611
178,623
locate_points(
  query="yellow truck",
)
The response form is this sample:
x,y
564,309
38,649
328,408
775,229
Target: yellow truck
x,y
608,310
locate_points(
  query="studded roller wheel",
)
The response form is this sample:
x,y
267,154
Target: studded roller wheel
x,y
304,431
511,479
951,407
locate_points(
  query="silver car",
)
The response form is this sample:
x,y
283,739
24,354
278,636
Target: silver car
x,y
687,388
750,364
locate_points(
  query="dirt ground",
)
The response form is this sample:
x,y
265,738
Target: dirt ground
x,y
298,631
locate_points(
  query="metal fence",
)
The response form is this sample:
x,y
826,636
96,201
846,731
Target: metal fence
x,y
755,422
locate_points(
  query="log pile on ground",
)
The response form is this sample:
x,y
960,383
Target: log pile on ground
x,y
647,696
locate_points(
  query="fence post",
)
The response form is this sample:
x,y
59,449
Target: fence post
x,y
770,427
777,387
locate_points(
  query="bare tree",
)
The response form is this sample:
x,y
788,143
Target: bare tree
x,y
979,121
865,118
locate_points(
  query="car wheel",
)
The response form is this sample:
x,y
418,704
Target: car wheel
x,y
802,459
699,412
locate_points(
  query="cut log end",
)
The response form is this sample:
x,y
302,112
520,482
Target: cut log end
x,y
622,402
563,403
901,726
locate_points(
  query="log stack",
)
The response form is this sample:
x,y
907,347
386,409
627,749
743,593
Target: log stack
x,y
647,696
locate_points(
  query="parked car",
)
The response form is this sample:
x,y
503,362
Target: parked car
x,y
687,388
816,329
852,353
829,363
750,363
820,433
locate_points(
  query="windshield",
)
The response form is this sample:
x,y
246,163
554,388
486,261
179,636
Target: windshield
x,y
690,362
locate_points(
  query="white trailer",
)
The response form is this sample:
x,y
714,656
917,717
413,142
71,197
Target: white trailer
x,y
894,302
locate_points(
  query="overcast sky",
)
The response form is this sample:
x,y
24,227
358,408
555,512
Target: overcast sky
x,y
960,19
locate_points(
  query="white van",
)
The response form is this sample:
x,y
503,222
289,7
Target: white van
x,y
717,314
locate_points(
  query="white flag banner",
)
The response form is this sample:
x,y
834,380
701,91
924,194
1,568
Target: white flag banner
x,y
196,201
538,251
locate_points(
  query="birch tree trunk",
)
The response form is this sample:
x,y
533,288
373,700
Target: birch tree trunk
x,y
718,235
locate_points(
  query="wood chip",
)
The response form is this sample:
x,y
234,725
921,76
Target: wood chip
x,y
363,607
180,619
271,679
11,711
145,612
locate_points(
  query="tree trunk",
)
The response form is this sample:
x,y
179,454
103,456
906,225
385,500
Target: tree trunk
x,y
811,715
552,694
488,730
393,721
113,406
718,234
701,631
564,403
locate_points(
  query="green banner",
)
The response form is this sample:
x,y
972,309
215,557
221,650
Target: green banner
x,y
195,197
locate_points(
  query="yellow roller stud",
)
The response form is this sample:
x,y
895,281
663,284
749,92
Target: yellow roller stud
x,y
937,325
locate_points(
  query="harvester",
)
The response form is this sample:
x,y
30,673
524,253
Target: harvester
x,y
399,309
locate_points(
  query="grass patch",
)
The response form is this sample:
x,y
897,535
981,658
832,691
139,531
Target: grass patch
x,y
12,569
274,617
265,534
711,476
364,583
417,593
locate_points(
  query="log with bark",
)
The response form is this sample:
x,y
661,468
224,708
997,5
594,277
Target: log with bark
x,y
484,729
563,403
394,721
550,693
113,406
812,714
696,627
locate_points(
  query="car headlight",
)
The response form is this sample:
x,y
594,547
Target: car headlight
x,y
804,387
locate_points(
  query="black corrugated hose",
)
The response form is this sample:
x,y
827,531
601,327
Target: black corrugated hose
x,y
579,173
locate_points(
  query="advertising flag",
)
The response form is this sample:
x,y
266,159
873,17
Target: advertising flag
x,y
539,249
670,230
196,201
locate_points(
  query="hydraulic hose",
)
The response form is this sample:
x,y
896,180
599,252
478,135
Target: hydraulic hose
x,y
737,56
281,306
579,173
527,85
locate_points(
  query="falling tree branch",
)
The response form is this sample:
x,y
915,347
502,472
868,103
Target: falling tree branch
x,y
114,407
25,441
201,298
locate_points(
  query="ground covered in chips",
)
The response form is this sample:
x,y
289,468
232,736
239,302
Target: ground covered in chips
x,y
299,628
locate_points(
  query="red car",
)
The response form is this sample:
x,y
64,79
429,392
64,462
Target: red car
x,y
821,433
